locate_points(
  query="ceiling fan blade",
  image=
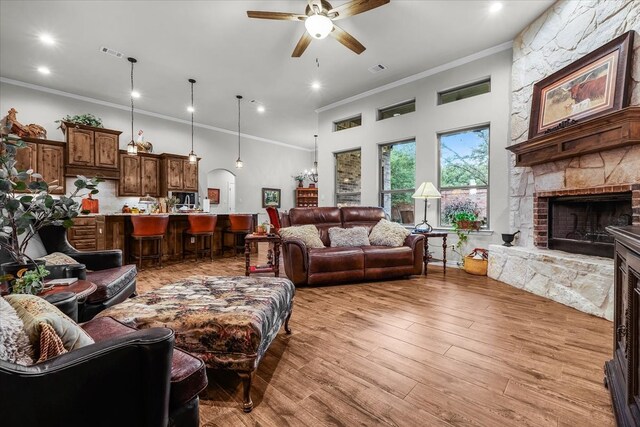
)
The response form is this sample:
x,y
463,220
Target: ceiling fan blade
x,y
347,39
302,45
280,16
354,7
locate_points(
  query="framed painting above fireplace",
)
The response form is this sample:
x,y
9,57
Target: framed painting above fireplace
x,y
595,84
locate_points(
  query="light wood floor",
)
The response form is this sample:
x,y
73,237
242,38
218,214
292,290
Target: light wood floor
x,y
453,351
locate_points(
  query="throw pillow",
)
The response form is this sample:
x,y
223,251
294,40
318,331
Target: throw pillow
x,y
387,233
309,234
43,322
58,258
348,237
14,343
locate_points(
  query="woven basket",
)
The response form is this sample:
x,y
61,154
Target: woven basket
x,y
477,266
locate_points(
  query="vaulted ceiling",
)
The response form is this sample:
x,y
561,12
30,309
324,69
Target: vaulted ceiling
x,y
228,53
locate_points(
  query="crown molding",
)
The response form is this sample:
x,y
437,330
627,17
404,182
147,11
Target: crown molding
x,y
143,112
420,75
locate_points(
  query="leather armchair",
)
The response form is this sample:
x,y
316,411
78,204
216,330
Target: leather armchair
x,y
127,378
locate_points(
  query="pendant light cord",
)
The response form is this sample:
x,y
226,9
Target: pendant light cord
x,y
239,127
192,109
132,101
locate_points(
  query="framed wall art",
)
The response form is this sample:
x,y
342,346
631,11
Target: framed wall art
x,y
592,86
271,197
214,195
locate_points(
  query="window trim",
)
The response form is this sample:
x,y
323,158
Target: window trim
x,y
439,93
479,126
334,126
397,104
335,175
382,192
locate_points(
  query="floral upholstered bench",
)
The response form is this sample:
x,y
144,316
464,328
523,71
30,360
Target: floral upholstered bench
x,y
229,322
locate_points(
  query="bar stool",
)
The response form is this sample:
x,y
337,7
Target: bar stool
x,y
241,225
149,227
200,226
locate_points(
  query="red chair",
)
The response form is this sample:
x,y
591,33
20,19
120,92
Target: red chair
x,y
149,227
241,225
200,226
274,219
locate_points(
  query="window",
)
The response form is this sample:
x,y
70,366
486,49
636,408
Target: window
x,y
397,110
397,180
347,123
348,175
466,91
464,173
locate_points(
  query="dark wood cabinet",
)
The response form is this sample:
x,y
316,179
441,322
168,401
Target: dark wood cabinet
x,y
139,175
150,175
91,151
622,373
129,184
46,158
190,176
83,234
51,166
177,174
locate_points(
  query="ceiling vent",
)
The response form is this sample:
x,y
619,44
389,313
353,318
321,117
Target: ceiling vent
x,y
111,52
377,68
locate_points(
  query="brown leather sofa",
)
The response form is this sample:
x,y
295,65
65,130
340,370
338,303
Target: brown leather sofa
x,y
308,266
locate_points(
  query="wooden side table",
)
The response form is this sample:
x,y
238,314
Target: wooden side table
x,y
273,265
82,289
427,256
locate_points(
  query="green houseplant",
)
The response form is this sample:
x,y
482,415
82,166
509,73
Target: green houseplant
x,y
83,119
26,206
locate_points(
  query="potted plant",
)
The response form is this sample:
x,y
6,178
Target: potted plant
x,y
463,215
82,119
30,281
300,177
26,206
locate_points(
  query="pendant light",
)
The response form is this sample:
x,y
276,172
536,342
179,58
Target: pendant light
x,y
193,159
132,148
315,154
239,161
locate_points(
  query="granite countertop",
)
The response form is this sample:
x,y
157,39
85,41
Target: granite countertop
x,y
170,214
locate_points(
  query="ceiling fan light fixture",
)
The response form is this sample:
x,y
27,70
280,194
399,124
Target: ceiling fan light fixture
x,y
318,26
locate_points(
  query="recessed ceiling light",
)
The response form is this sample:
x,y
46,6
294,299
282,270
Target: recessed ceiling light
x,y
496,6
44,70
135,94
47,39
260,108
315,85
190,109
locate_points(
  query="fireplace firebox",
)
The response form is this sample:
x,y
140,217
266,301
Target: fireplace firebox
x,y
577,223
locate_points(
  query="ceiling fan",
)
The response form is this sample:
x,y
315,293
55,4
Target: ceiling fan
x,y
319,20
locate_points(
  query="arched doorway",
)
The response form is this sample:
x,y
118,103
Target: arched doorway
x,y
225,181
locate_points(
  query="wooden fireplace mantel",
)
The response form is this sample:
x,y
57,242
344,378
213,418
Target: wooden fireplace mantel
x,y
618,129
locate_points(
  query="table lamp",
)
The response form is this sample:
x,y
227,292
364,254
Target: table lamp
x,y
426,191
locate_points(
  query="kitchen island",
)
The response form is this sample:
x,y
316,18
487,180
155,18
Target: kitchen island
x,y
112,231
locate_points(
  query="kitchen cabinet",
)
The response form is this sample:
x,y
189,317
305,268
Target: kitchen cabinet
x,y
139,175
178,174
83,234
622,372
91,151
46,158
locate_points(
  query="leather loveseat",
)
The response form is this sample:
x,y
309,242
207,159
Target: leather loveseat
x,y
309,266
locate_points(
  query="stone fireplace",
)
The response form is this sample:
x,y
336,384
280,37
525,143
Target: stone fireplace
x,y
575,220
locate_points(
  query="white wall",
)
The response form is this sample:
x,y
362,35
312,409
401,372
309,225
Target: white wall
x,y
424,124
225,181
265,164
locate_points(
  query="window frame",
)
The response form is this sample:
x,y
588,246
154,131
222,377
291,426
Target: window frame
x,y
480,126
381,110
478,82
381,191
335,176
355,116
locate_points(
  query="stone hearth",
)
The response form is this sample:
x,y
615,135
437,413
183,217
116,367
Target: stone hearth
x,y
579,281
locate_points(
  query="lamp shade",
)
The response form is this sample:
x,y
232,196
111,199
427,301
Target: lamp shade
x,y
427,191
318,26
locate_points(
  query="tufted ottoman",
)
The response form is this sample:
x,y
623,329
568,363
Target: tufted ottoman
x,y
229,322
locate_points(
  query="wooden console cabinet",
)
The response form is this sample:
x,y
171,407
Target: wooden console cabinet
x,y
177,174
46,158
622,373
139,175
91,151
